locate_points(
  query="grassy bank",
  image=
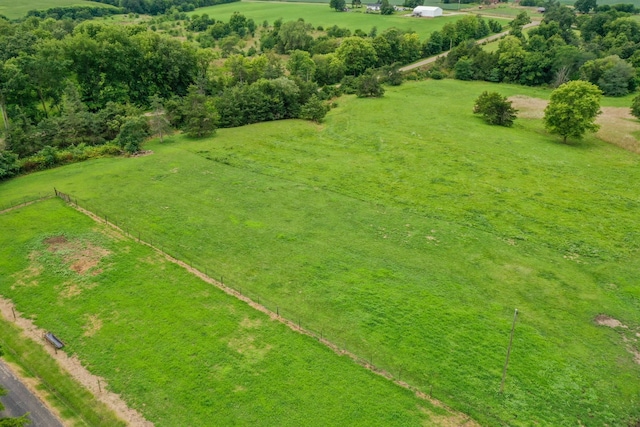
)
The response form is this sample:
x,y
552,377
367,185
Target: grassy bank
x,y
76,405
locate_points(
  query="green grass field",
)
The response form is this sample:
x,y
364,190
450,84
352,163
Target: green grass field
x,y
16,9
322,15
409,229
177,349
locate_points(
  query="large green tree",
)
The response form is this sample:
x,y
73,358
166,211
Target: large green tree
x,y
573,109
338,5
357,54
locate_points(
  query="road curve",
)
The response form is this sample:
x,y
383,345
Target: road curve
x,y
19,400
434,58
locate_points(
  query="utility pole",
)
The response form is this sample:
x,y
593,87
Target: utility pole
x,y
506,362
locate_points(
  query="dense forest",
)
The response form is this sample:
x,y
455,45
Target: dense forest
x,y
76,84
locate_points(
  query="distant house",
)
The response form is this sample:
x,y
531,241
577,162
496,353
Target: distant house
x,y
427,11
374,7
542,10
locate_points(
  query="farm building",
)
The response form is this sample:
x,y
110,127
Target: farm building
x,y
427,11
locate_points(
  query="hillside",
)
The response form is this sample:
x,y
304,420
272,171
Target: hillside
x,y
410,230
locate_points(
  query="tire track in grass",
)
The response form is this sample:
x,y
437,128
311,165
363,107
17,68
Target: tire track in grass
x,y
454,418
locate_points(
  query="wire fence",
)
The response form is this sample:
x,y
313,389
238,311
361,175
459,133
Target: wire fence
x,y
22,201
377,360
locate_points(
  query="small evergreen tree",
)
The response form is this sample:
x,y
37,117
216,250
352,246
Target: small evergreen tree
x,y
200,115
635,107
495,109
158,121
314,110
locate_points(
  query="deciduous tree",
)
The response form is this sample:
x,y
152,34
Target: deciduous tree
x,y
338,5
573,109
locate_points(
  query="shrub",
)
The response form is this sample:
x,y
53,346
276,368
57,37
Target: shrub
x,y
495,109
635,107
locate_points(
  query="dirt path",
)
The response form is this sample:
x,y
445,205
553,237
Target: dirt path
x,y
73,365
452,417
433,59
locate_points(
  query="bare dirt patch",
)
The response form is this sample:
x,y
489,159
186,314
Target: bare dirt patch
x,y
82,257
142,153
604,320
617,125
630,341
74,367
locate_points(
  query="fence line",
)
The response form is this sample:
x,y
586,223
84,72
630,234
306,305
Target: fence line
x,y
24,201
276,312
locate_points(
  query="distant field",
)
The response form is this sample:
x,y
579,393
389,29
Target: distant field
x,y
445,6
177,349
17,9
321,14
410,230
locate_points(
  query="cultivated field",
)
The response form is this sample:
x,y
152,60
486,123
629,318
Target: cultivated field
x,y
405,228
321,15
15,9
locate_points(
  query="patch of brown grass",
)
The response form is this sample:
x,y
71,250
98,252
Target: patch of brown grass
x,y
617,125
93,325
82,257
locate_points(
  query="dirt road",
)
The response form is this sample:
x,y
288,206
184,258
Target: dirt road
x,y
434,58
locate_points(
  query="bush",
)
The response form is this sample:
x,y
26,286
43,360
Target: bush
x,y
635,107
314,110
368,86
495,109
8,164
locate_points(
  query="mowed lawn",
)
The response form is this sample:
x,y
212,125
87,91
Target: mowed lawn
x,y
408,230
16,9
322,15
177,349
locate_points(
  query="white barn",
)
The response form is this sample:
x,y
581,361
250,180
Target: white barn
x,y
427,11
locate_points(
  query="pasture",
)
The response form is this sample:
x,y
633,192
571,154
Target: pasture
x,y
403,227
175,348
321,15
13,9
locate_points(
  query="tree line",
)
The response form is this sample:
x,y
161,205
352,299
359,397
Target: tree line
x,y
605,51
68,87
